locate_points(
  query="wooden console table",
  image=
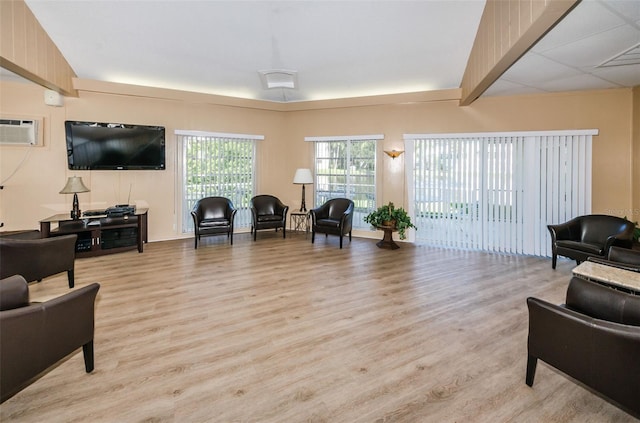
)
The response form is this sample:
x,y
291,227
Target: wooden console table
x,y
98,235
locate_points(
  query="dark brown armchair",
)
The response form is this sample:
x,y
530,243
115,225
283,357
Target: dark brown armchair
x,y
35,336
213,216
268,212
622,258
589,236
36,259
594,338
333,217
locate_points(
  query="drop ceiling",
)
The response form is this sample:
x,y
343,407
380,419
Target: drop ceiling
x,y
337,49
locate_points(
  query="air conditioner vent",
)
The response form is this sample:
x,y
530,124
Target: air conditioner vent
x,y
20,132
630,56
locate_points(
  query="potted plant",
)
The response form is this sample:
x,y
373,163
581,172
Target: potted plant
x,y
636,232
390,216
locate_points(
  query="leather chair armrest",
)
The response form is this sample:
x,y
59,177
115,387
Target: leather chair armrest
x,y
69,321
321,212
565,231
231,214
624,255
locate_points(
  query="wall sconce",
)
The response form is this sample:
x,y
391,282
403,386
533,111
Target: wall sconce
x,y
393,153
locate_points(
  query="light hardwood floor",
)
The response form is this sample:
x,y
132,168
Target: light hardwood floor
x,y
288,331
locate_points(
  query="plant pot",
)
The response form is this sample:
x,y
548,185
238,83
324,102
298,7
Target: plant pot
x,y
389,223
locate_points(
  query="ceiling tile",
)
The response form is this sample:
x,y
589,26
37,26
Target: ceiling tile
x,y
591,51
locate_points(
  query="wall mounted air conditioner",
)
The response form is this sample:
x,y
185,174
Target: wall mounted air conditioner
x,y
20,132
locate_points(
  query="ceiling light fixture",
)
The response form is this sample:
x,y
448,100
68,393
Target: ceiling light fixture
x,y
279,78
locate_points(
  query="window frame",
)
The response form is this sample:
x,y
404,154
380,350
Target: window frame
x,y
362,207
184,204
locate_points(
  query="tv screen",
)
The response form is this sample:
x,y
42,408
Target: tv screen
x,y
114,146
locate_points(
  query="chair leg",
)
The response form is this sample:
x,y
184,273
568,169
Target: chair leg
x,y
255,234
196,246
230,235
531,369
70,276
313,236
87,352
284,231
554,260
341,241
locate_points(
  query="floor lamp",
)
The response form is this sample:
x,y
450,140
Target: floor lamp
x,y
303,177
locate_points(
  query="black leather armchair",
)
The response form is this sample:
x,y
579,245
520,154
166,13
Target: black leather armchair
x,y
594,338
36,259
589,236
35,336
213,216
622,258
334,217
268,212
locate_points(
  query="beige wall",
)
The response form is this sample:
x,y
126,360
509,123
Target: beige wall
x,y
32,193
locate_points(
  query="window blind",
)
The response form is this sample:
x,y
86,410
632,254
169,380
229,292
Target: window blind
x,y
217,164
497,191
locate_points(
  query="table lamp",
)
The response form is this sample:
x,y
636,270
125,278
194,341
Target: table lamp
x,y
303,177
74,186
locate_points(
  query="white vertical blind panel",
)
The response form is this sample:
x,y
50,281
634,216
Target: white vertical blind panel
x,y
217,166
498,193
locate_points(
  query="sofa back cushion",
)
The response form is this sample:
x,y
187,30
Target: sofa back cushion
x,y
14,293
603,302
266,205
595,229
213,208
337,207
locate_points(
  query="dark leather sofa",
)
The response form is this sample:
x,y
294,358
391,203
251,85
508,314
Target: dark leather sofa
x,y
622,258
334,217
268,212
35,336
593,338
37,258
589,236
213,216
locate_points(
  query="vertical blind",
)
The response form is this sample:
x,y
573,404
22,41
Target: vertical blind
x,y
215,164
497,191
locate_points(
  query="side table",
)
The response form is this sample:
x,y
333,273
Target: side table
x,y
299,221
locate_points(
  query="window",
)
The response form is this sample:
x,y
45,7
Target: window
x,y
346,167
498,191
216,164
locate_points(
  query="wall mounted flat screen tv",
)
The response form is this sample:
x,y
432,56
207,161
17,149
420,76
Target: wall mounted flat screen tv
x,y
114,146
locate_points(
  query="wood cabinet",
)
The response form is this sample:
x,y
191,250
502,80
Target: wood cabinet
x,y
100,234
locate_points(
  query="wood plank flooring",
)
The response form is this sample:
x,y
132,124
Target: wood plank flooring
x,y
282,330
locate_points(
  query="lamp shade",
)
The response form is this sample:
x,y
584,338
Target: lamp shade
x,y
74,185
303,176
